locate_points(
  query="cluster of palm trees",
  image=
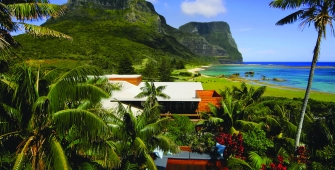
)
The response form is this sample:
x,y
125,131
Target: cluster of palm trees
x,y
245,111
50,119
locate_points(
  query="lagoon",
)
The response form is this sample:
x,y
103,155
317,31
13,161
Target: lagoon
x,y
295,74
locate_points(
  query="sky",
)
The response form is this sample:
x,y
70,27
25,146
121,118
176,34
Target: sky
x,y
252,24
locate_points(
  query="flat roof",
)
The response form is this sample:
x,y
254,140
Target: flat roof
x,y
122,76
178,91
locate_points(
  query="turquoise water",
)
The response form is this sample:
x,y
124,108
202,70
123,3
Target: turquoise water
x,y
295,74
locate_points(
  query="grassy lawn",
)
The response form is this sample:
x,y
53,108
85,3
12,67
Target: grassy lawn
x,y
213,83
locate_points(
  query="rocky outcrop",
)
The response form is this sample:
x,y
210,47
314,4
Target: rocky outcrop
x,y
213,39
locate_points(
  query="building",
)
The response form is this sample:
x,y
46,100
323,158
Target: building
x,y
186,98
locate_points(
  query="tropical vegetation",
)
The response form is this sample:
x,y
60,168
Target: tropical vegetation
x,y
319,13
261,135
52,118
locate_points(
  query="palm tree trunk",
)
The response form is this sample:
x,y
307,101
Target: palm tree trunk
x,y
316,53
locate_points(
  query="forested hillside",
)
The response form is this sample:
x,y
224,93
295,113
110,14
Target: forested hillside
x,y
105,34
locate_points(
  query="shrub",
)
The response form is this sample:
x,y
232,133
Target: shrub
x,y
181,130
203,142
255,140
183,73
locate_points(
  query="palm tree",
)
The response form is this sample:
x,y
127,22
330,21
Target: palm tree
x,y
136,137
39,109
320,13
248,96
151,92
14,13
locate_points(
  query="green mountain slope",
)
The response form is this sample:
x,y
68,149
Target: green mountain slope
x,y
104,32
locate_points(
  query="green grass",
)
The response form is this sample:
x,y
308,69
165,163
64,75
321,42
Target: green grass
x,y
213,83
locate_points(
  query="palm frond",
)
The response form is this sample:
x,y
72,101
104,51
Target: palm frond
x,y
141,95
57,155
40,103
246,125
289,4
107,156
6,20
87,166
215,120
296,166
70,86
12,112
84,105
150,164
213,109
256,160
290,129
39,31
272,122
51,76
141,148
235,162
6,84
258,93
201,122
35,11
91,125
288,143
154,128
290,18
283,153
129,166
166,144
20,158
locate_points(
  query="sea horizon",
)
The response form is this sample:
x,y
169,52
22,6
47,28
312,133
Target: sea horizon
x,y
294,74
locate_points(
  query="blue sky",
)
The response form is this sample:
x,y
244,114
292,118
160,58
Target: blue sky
x,y
252,24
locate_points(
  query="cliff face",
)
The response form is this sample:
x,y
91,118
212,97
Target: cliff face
x,y
210,39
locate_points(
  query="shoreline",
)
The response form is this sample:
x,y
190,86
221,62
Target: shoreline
x,y
252,82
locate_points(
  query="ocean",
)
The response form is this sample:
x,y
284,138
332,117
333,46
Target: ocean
x,y
295,74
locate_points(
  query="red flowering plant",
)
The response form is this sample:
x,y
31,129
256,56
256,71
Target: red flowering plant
x,y
301,155
233,144
279,165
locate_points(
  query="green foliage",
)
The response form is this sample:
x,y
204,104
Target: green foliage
x,y
150,71
125,66
164,70
203,142
238,164
183,73
256,140
181,130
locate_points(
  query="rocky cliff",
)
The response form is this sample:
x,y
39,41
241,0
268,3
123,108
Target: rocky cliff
x,y
209,39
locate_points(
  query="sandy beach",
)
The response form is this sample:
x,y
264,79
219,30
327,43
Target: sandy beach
x,y
196,70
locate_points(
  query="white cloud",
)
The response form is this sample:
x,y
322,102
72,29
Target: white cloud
x,y
245,29
153,1
207,8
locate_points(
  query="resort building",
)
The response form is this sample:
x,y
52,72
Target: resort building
x,y
186,98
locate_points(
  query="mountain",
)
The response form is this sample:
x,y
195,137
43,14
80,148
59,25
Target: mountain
x,y
215,40
104,31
